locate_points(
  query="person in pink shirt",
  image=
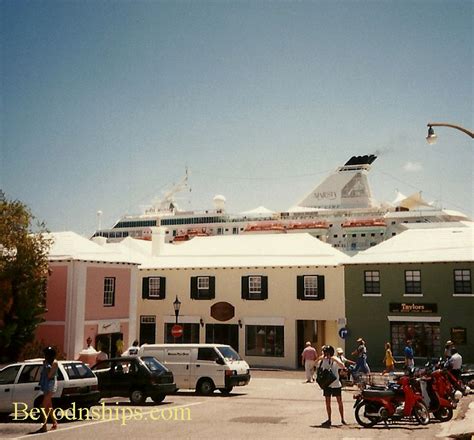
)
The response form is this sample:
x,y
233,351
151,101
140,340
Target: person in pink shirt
x,y
308,359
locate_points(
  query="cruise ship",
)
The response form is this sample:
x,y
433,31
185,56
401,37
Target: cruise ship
x,y
340,211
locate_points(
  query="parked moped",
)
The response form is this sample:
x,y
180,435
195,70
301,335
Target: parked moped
x,y
395,402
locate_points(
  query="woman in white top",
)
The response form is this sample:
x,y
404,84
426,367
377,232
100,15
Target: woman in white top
x,y
329,361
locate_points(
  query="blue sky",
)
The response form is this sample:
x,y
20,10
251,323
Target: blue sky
x,y
104,103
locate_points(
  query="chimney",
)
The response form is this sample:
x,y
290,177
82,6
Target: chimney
x,y
157,241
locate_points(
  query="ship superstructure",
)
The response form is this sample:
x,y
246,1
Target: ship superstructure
x,y
340,211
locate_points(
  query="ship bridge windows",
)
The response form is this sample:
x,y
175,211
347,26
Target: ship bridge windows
x,y
135,224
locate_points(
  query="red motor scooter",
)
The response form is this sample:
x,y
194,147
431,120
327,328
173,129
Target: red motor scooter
x,y
438,394
392,403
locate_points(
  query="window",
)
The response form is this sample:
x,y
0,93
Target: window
x,y
255,287
462,282
412,282
109,291
425,337
264,340
203,283
8,375
154,288
190,334
30,374
371,282
310,287
203,287
207,354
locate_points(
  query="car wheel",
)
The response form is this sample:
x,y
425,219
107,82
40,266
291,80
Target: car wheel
x,y
206,387
158,398
226,390
137,397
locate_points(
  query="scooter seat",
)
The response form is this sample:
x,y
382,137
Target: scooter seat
x,y
378,393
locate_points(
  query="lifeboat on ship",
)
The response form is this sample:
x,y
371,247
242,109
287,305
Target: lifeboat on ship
x,y
265,228
362,224
306,226
190,233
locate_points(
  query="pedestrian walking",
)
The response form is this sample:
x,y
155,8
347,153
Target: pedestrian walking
x,y
327,361
409,355
455,362
388,360
48,385
308,359
362,367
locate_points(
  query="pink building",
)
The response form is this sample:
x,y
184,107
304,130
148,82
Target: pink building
x,y
91,293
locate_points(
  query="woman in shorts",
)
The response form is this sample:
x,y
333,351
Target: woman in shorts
x,y
329,361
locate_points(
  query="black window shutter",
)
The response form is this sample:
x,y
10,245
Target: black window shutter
x,y
145,285
320,287
300,287
212,287
245,287
264,287
163,287
194,287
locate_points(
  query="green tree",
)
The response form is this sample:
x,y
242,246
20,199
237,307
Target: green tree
x,y
23,277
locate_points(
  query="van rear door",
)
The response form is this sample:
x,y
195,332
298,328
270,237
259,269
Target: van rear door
x,y
178,360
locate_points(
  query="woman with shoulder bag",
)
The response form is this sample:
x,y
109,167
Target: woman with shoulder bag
x,y
331,364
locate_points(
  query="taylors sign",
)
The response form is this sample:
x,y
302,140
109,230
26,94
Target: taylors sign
x,y
413,308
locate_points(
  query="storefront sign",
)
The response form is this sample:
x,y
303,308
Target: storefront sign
x,y
413,308
106,327
459,335
222,311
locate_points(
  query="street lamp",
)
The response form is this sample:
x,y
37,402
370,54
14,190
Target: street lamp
x,y
431,137
177,306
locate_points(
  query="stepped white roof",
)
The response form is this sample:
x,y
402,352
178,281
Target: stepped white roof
x,y
71,246
258,250
423,242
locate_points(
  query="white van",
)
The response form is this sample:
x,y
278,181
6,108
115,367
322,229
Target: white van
x,y
203,367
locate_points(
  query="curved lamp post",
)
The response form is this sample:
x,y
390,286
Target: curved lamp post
x,y
431,137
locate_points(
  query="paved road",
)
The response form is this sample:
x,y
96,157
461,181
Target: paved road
x,y
276,405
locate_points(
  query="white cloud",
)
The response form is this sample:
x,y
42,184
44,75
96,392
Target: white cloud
x,y
412,167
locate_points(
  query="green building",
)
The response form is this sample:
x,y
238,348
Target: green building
x,y
416,285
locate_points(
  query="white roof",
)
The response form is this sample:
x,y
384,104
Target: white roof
x,y
136,250
423,243
259,211
253,250
71,246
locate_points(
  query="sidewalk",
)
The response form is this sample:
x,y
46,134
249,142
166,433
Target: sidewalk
x,y
462,427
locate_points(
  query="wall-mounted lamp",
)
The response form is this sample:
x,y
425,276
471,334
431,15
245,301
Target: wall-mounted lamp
x,y
240,323
201,321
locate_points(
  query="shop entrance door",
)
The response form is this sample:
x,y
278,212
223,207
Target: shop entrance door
x,y
223,334
110,343
308,330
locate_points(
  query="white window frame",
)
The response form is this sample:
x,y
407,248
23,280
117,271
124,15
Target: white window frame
x,y
462,273
410,276
154,291
255,286
310,283
109,291
365,283
203,283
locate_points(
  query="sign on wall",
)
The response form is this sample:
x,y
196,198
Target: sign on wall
x,y
413,308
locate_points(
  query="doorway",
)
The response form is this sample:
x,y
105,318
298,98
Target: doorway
x,y
223,334
308,330
110,343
